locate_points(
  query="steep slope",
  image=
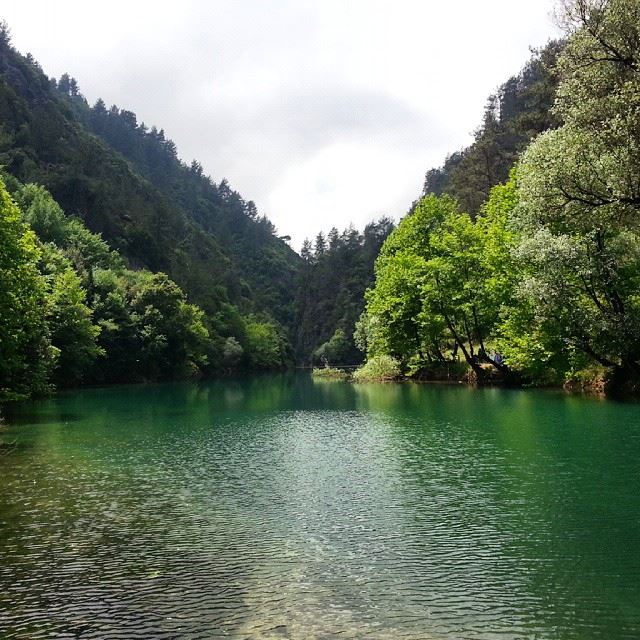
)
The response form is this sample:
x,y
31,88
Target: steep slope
x,y
514,115
330,293
157,212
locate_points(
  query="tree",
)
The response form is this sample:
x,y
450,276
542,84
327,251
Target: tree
x,y
71,328
441,282
306,253
580,198
232,352
335,351
64,84
320,245
520,110
26,356
148,329
265,346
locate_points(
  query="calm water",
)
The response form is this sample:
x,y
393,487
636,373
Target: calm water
x,y
283,508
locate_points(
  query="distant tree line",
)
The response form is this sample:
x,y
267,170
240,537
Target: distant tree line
x,y
336,271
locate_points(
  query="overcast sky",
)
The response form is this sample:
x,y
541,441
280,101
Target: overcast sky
x,y
324,112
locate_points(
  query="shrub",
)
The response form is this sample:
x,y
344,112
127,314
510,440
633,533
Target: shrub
x,y
329,373
378,368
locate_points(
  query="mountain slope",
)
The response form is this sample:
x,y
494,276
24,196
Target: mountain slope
x,y
157,212
514,115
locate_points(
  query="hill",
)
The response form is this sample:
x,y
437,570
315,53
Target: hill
x,y
128,184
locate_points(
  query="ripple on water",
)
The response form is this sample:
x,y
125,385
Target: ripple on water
x,y
301,524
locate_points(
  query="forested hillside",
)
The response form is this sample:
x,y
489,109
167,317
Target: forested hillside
x,y
131,239
517,112
128,184
336,272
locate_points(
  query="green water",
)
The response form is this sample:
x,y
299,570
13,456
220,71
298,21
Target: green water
x,y
277,507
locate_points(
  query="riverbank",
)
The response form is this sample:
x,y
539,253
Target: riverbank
x,y
595,381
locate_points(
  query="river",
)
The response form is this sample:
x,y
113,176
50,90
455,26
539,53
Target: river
x,y
279,507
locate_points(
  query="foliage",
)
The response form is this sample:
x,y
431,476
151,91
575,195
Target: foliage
x,y
85,250
69,320
329,373
123,189
441,282
579,200
265,345
336,350
149,330
379,368
331,287
232,352
520,110
26,356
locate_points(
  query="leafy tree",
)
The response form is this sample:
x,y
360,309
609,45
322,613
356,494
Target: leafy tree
x,y
26,356
70,325
579,200
335,351
86,250
266,347
441,282
232,352
149,330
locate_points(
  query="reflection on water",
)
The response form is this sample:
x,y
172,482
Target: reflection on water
x,y
274,507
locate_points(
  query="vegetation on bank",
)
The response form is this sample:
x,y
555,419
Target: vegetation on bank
x,y
164,272
121,263
379,368
544,281
330,373
71,312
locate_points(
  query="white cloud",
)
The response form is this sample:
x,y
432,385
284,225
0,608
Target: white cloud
x,y
323,112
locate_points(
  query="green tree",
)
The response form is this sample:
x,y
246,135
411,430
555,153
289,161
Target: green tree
x,y
337,350
148,329
71,328
441,282
265,346
579,201
26,356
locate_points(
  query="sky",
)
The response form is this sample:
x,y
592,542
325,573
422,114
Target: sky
x,y
323,112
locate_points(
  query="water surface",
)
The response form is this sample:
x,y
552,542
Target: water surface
x,y
276,507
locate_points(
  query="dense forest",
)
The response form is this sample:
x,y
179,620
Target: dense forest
x,y
519,263
170,274
517,112
336,272
541,282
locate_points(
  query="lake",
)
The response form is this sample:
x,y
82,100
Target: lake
x,y
279,507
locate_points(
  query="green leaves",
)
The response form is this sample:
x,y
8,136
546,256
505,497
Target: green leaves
x,y
26,357
579,203
441,280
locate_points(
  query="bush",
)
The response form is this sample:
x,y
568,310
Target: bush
x,y
329,373
378,368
